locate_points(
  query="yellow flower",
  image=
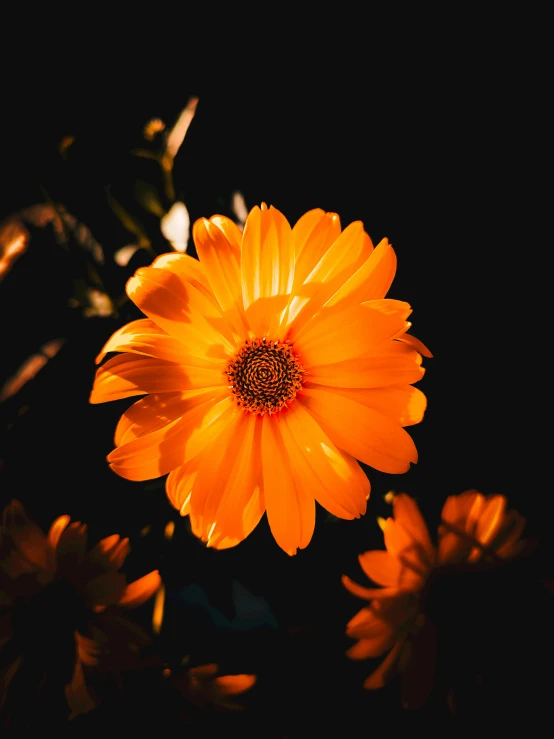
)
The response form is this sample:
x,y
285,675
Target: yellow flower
x,y
58,607
473,528
270,366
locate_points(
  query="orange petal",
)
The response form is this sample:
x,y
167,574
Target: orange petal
x,y
363,432
452,548
404,404
312,235
186,268
366,372
140,590
235,504
491,520
221,261
234,684
210,470
332,477
414,560
365,624
386,670
416,344
267,269
459,518
128,374
203,670
460,513
249,519
457,508
181,310
158,410
146,337
234,466
372,646
161,451
357,331
397,537
56,530
381,567
370,282
506,542
345,255
290,508
408,515
367,593
110,553
179,485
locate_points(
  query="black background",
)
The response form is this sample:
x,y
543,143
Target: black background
x,y
440,146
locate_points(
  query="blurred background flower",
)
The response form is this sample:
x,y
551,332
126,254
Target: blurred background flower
x,y
59,606
476,536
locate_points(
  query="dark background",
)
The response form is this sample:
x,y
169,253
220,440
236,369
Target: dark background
x,y
441,151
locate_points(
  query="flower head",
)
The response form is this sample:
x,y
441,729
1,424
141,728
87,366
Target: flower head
x,y
59,606
270,365
473,528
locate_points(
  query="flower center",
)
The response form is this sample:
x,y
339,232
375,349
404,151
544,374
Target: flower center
x,y
264,376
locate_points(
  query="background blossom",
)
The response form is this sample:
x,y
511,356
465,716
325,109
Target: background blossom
x,y
474,529
59,608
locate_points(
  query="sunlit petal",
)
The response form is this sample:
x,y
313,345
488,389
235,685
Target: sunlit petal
x,y
267,269
290,508
363,432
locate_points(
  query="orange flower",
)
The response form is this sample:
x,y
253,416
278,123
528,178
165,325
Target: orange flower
x,y
473,528
270,365
58,606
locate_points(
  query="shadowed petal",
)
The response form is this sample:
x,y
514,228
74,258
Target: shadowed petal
x,y
165,449
386,670
367,593
180,309
104,590
146,337
129,374
218,242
